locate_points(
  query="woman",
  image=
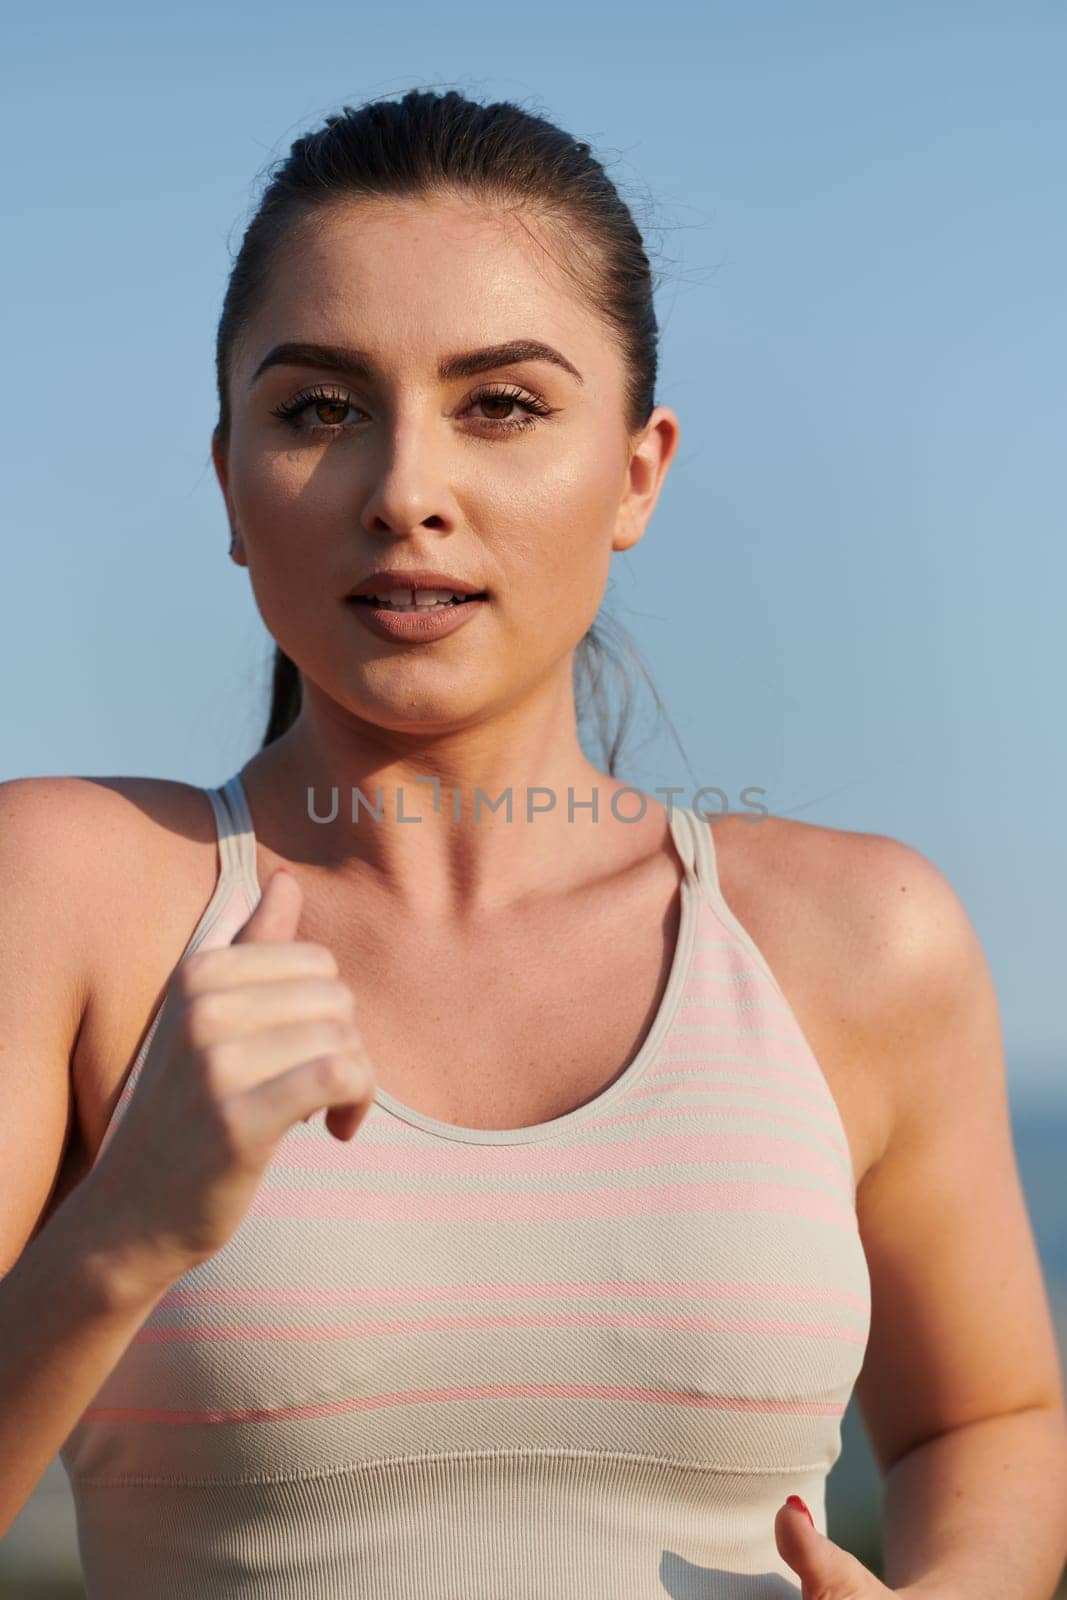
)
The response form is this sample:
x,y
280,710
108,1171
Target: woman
x,y
645,1142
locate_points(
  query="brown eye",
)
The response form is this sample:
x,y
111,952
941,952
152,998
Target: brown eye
x,y
329,407
504,400
534,408
338,407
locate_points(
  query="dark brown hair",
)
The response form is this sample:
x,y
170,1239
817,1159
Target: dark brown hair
x,y
425,144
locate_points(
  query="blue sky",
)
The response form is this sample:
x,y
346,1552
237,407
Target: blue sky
x,y
851,592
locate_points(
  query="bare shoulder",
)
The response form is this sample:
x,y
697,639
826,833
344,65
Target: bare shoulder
x,y
880,947
75,849
872,899
80,836
869,938
84,864
56,833
839,865
42,866
72,811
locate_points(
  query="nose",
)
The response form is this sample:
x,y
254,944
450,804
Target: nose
x,y
411,489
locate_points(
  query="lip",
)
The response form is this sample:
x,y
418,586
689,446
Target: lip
x,y
413,578
410,626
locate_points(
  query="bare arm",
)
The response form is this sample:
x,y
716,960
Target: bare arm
x,y
261,1033
961,1390
69,1308
977,1512
70,1300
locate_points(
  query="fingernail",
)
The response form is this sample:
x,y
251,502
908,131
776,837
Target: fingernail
x,y
795,1500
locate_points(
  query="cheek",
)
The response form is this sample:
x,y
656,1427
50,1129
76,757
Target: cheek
x,y
560,542
553,578
274,480
294,523
278,490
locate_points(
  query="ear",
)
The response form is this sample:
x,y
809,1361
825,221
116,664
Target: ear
x,y
222,472
649,457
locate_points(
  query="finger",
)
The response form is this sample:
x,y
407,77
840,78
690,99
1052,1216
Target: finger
x,y
278,912
242,1062
218,1013
337,1080
230,965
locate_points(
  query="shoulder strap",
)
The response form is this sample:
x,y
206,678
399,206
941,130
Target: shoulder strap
x,y
705,867
682,833
229,855
243,840
708,873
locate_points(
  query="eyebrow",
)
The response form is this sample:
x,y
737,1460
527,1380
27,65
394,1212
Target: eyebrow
x,y
357,363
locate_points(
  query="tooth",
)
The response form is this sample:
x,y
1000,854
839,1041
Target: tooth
x,y
420,597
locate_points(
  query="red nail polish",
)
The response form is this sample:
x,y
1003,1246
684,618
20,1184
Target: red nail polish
x,y
795,1500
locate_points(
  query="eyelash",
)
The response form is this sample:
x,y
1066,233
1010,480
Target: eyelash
x,y
291,411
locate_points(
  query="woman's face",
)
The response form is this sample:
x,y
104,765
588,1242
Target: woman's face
x,y
520,478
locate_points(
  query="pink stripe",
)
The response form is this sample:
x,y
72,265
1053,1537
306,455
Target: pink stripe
x,y
785,1049
722,982
775,1048
485,1391
715,994
256,1332
745,1028
321,1205
731,1069
760,1049
677,1074
732,1001
367,1295
647,1114
327,1154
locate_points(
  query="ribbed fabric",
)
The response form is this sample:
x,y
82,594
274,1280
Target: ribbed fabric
x,y
584,1359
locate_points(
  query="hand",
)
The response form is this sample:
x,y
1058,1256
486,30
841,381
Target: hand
x,y
254,1037
825,1570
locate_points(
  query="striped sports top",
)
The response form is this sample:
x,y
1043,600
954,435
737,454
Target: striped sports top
x,y
585,1358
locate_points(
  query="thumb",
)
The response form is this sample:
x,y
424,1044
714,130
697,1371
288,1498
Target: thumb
x,y
276,916
825,1570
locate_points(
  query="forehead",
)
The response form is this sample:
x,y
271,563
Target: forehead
x,y
411,278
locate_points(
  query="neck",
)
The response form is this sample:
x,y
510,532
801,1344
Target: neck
x,y
448,825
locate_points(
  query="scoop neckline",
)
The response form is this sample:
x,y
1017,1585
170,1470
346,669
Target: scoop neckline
x,y
661,1023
